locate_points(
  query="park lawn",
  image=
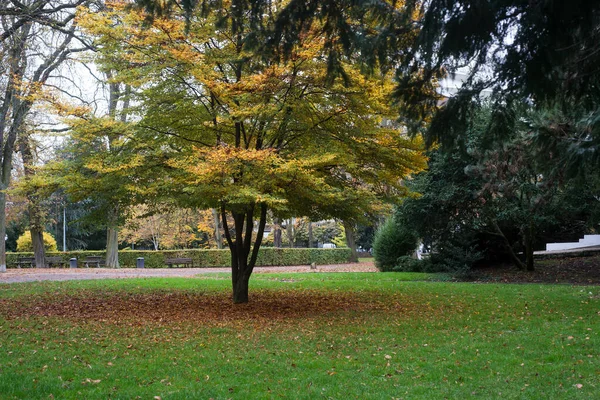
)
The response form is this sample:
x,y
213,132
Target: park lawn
x,y
305,336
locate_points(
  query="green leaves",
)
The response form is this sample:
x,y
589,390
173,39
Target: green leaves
x,y
230,126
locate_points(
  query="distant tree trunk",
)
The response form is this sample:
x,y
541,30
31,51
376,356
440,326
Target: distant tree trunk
x,y
12,117
310,235
2,229
243,252
36,229
218,237
36,219
277,232
351,240
64,232
112,239
112,248
39,252
289,230
112,228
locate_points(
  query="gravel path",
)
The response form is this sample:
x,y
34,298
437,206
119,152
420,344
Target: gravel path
x,y
66,274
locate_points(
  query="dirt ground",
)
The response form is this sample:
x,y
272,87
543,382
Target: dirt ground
x,y
565,270
64,274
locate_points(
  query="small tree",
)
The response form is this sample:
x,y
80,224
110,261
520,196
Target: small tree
x,y
24,243
392,241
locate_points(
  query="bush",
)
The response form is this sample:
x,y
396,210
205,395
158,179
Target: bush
x,y
456,256
209,258
410,264
24,242
391,242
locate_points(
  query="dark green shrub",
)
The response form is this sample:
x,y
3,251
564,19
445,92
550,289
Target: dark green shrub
x,y
391,242
456,256
411,264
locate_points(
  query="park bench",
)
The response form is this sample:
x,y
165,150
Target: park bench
x,y
25,262
179,261
93,261
55,262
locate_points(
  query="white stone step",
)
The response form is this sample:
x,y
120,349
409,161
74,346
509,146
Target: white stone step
x,y
590,240
587,241
562,246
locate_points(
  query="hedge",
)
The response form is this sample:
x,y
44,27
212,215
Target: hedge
x,y
267,256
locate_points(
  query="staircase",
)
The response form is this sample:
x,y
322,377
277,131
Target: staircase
x,y
587,241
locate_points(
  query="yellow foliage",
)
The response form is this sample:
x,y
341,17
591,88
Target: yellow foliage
x,y
240,130
24,243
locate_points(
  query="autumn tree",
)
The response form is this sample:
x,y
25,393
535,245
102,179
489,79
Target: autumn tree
x,y
244,132
99,167
35,188
36,37
170,229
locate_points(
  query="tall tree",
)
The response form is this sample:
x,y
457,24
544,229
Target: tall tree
x,y
35,37
35,190
492,197
245,133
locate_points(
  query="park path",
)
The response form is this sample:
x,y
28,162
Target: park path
x,y
67,274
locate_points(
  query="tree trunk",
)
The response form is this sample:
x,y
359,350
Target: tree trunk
x,y
112,248
289,230
310,235
64,232
239,280
36,229
2,231
277,232
240,292
112,239
39,252
218,237
351,240
36,223
528,239
243,252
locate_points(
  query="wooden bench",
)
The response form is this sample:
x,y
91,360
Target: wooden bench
x,y
55,262
25,262
179,261
96,261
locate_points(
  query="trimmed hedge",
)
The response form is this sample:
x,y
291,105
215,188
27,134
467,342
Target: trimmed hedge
x,y
267,256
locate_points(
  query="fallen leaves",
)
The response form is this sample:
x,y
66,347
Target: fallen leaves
x,y
214,309
573,270
91,381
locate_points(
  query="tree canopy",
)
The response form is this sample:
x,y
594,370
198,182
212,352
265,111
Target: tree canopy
x,y
218,124
542,53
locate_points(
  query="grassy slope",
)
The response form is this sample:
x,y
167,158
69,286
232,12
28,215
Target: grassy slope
x,y
430,340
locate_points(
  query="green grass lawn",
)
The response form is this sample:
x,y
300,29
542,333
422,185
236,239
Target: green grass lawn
x,y
305,336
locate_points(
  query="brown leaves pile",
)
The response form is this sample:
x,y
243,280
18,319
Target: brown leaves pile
x,y
208,309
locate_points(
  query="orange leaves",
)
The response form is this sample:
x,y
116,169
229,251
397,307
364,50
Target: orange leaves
x,y
269,130
268,307
242,176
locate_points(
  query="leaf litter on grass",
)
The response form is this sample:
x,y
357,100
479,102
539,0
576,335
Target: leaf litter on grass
x,y
212,309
